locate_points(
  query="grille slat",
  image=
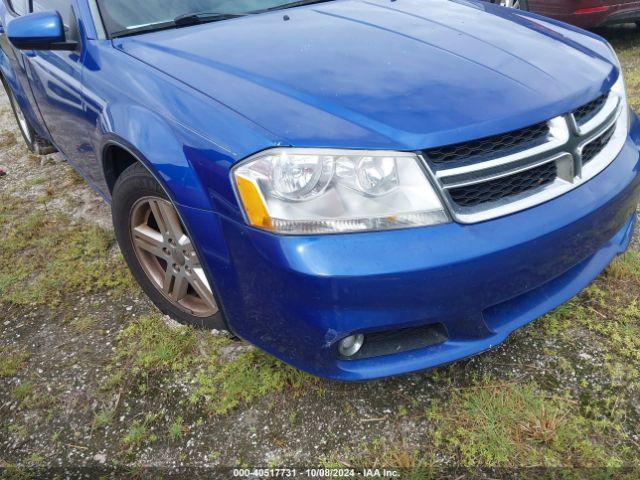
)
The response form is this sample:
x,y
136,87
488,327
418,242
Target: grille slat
x,y
485,147
592,149
588,111
479,193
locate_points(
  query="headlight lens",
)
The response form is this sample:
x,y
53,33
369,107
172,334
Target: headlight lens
x,y
305,191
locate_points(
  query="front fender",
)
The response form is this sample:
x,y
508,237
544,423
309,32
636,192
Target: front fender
x,y
161,146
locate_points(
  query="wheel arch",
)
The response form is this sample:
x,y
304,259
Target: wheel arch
x,y
115,158
117,155
132,132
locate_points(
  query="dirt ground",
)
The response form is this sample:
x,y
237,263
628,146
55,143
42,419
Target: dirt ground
x,y
92,376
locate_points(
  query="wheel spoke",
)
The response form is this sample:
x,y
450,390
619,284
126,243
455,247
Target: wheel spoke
x,y
175,285
201,286
149,240
158,215
167,284
180,288
171,220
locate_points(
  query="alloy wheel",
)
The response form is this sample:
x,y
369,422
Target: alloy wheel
x,y
167,256
510,3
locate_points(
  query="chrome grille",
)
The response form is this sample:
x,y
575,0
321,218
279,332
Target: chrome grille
x,y
494,190
593,148
518,139
503,174
586,112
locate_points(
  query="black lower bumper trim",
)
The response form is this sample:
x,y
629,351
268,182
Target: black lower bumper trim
x,y
402,340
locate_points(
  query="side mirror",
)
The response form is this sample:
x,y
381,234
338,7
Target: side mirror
x,y
39,31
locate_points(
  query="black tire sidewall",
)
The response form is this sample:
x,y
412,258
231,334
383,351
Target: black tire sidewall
x,y
135,183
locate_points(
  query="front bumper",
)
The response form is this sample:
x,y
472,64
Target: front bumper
x,y
295,297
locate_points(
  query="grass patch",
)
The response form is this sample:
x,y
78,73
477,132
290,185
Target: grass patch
x,y
380,454
45,258
625,268
37,181
9,471
8,140
147,349
84,324
149,354
12,361
497,425
609,309
103,418
225,385
176,429
24,394
140,434
28,397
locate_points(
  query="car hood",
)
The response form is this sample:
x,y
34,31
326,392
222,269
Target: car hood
x,y
404,75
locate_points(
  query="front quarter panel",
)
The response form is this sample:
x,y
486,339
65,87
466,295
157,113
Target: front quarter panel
x,y
186,139
157,143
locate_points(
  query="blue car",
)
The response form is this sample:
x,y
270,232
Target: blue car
x,y
359,188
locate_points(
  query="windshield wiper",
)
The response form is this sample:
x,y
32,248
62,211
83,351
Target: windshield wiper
x,y
180,21
188,19
204,17
153,27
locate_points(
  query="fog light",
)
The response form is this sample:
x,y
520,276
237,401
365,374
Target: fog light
x,y
350,345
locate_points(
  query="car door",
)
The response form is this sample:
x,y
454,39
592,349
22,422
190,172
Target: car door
x,y
56,82
13,63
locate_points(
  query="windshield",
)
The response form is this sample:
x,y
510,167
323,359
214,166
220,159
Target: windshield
x,y
123,17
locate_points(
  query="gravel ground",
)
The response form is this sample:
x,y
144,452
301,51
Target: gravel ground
x,y
51,403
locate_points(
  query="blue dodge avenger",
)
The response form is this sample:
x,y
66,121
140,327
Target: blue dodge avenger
x,y
360,188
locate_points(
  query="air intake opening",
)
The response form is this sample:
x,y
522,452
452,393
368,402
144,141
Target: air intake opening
x,y
489,147
494,190
396,341
590,110
592,149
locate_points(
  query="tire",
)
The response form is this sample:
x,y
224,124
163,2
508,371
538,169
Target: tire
x,y
146,222
34,142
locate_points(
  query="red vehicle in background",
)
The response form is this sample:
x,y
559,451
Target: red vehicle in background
x,y
583,13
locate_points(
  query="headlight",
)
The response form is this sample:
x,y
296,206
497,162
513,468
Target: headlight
x,y
309,191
